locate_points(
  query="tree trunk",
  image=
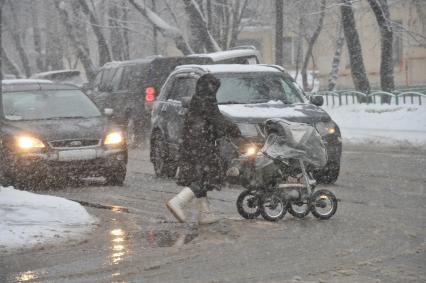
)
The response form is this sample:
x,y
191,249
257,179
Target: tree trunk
x,y
163,27
381,11
125,32
154,30
311,44
116,42
279,18
54,40
199,26
8,64
236,23
17,40
334,73
299,54
104,55
37,36
359,75
81,51
1,59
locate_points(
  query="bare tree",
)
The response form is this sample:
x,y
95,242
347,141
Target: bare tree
x,y
163,27
311,44
279,22
81,50
381,11
334,73
9,65
13,30
37,36
1,54
104,55
353,43
198,25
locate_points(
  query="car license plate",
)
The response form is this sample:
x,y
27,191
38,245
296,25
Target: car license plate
x,y
78,154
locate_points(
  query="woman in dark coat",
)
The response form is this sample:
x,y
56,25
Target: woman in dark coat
x,y
199,163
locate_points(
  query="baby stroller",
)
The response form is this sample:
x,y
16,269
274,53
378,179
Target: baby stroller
x,y
277,178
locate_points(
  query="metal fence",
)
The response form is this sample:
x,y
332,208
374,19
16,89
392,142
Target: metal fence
x,y
415,96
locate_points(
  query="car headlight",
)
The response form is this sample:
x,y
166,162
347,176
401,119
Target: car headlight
x,y
248,130
28,142
250,149
114,138
326,128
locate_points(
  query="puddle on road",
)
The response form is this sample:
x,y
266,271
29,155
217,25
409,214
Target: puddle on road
x,y
120,246
114,208
166,238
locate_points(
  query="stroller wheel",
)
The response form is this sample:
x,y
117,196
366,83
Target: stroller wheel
x,y
248,204
299,209
323,204
273,207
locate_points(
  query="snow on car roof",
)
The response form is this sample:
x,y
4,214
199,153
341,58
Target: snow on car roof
x,y
50,73
227,54
233,68
25,81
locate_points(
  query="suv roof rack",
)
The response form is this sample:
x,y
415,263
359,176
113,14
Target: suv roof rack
x,y
191,66
278,67
252,47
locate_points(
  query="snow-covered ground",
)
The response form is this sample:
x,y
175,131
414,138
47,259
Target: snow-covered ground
x,y
30,220
402,125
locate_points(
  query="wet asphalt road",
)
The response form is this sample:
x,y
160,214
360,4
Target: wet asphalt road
x,y
377,235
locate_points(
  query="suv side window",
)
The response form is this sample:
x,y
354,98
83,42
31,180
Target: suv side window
x,y
125,79
106,82
116,79
182,87
97,81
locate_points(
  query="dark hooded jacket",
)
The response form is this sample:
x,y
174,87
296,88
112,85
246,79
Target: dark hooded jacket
x,y
199,160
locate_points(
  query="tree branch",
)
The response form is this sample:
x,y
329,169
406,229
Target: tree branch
x,y
164,28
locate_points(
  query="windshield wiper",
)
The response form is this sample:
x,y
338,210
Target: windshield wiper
x,y
230,102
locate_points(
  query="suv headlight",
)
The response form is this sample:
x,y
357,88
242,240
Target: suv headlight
x,y
28,143
326,128
114,138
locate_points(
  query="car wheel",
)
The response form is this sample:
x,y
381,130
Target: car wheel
x,y
116,176
164,166
328,175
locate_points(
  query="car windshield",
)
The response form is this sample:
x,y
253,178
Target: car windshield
x,y
248,88
47,104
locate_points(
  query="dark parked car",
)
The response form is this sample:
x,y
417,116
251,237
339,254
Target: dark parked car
x,y
50,130
130,87
249,95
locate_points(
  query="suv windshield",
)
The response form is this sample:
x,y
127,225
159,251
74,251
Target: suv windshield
x,y
47,104
246,88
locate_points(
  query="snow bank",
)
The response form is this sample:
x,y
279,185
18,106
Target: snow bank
x,y
403,125
29,220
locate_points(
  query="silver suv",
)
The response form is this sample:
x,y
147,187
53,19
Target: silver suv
x,y
248,95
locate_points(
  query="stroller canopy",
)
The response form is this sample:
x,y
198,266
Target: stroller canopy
x,y
294,140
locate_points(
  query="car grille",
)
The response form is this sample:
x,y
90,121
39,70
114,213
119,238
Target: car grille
x,y
77,143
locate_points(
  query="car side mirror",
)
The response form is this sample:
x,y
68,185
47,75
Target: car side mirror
x,y
317,100
108,112
186,101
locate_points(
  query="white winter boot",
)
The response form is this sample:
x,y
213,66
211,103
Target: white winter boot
x,y
176,204
205,216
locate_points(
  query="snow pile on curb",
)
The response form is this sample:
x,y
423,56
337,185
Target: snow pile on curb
x,y
403,125
28,220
